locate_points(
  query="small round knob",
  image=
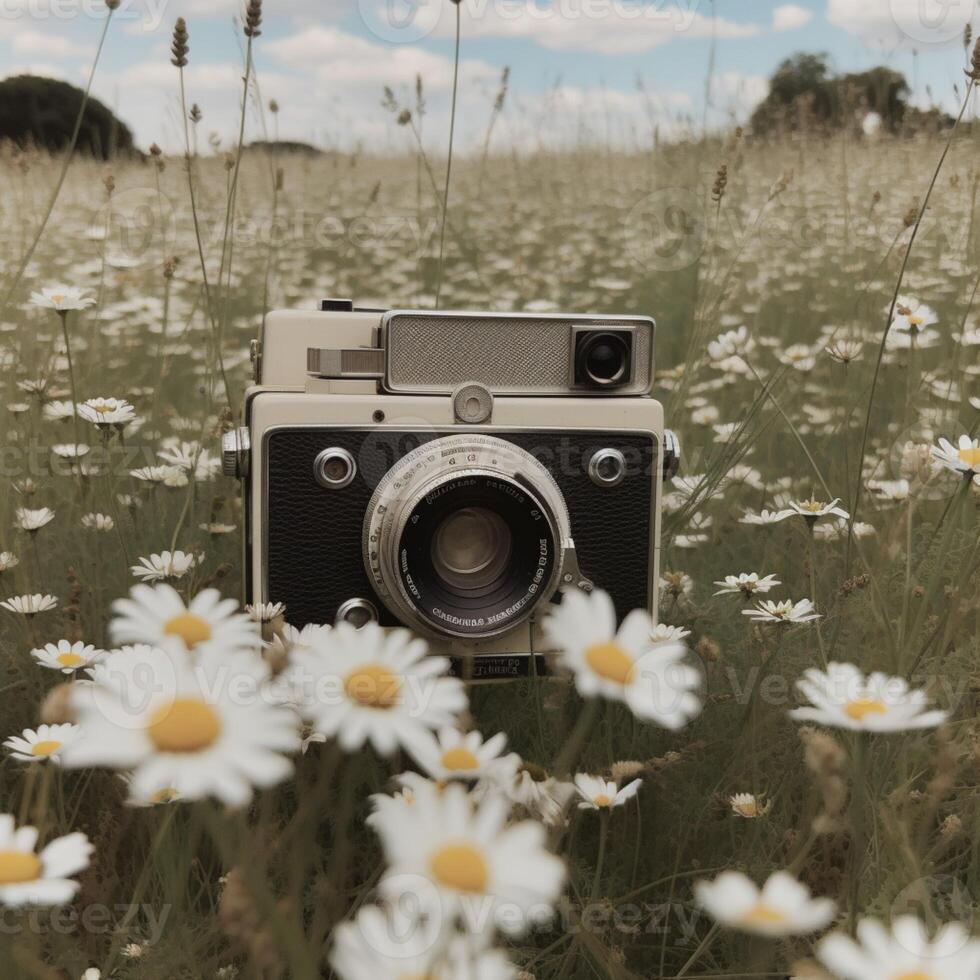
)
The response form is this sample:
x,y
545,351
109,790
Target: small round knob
x,y
607,468
335,468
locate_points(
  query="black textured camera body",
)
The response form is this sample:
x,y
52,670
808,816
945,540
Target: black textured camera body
x,y
314,540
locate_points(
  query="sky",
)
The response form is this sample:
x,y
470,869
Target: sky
x,y
613,70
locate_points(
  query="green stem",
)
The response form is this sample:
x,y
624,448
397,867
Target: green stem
x,y
449,159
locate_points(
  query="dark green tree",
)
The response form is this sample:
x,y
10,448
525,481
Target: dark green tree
x,y
42,112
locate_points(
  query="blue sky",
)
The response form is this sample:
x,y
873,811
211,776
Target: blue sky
x,y
574,63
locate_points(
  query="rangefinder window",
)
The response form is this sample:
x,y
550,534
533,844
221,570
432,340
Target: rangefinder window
x,y
603,358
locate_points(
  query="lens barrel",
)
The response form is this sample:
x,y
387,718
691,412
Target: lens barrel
x,y
465,537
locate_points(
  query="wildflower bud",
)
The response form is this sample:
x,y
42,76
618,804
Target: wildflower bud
x,y
112,4
721,182
253,18
912,215
196,114
274,107
708,650
180,47
974,72
951,827
280,178
110,184
56,708
623,771
155,150
170,267
404,117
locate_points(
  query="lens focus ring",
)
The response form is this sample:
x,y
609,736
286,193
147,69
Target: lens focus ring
x,y
464,537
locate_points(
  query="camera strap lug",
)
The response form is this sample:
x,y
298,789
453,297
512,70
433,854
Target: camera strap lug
x,y
346,364
571,575
672,455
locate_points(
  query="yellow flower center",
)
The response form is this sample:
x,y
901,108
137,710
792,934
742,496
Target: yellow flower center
x,y
102,408
185,725
610,662
190,628
748,808
763,914
862,707
460,760
601,800
461,867
16,867
44,749
70,659
58,298
970,456
373,686
166,795
916,321
914,975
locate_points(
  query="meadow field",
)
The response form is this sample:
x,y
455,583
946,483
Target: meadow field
x,y
815,298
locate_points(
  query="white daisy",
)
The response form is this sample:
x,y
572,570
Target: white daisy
x,y
654,682
766,517
785,611
45,742
29,878
813,509
191,456
33,520
170,476
158,615
371,685
458,755
67,656
62,298
603,794
391,944
783,906
662,633
197,723
747,584
265,612
58,411
30,605
963,458
460,859
749,806
545,799
912,316
107,412
842,697
166,565
904,953
98,522
8,560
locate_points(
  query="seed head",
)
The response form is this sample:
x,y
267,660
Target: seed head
x,y
180,47
721,182
404,117
274,107
112,4
196,114
253,18
973,72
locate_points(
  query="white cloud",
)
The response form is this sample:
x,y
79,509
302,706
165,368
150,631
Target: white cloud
x,y
790,17
907,23
46,45
603,26
737,94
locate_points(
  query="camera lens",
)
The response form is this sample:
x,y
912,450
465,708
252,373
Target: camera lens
x,y
465,537
471,549
603,359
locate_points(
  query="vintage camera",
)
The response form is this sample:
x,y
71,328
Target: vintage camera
x,y
451,472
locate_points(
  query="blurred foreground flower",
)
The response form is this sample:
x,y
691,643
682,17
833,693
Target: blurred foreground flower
x,y
654,682
783,906
842,697
198,723
904,953
371,685
27,878
459,859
